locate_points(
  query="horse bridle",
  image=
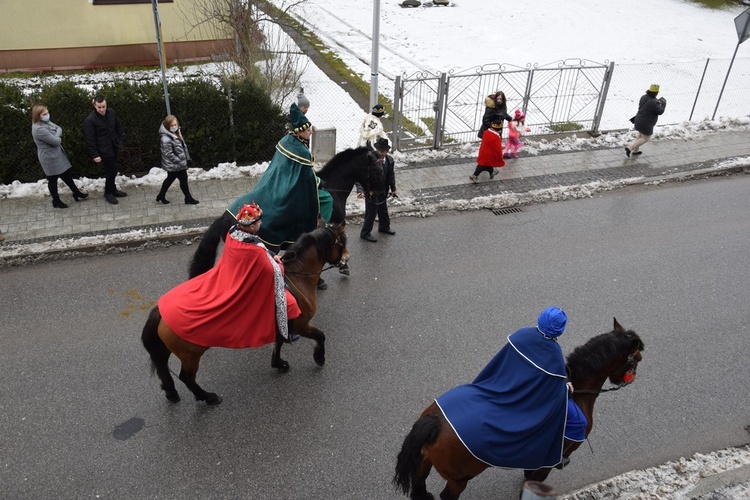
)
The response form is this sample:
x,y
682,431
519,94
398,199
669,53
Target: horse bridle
x,y
630,369
341,264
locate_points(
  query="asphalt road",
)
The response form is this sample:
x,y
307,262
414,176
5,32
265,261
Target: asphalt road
x,y
423,311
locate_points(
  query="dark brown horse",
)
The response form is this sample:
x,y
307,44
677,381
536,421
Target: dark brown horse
x,y
433,443
303,263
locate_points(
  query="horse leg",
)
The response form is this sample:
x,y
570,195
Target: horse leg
x,y
453,489
319,354
188,371
189,355
159,354
537,475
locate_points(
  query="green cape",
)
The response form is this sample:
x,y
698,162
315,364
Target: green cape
x,y
288,194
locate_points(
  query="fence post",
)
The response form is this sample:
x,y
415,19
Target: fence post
x,y
396,134
527,91
602,99
698,92
233,135
439,107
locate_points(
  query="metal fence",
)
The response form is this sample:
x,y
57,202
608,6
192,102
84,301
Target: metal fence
x,y
432,110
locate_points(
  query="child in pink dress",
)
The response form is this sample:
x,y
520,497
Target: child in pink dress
x,y
516,127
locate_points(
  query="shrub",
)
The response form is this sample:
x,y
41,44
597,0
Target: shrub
x,y
230,121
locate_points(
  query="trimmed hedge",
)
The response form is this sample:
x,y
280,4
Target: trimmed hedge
x,y
232,121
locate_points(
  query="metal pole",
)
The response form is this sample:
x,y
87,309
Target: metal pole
x,y
700,85
375,53
157,23
741,37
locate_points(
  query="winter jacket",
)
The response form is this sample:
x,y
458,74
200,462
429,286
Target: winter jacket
x,y
649,109
103,134
48,139
174,152
491,150
492,111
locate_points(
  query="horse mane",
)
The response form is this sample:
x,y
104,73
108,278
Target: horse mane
x,y
322,239
599,351
341,159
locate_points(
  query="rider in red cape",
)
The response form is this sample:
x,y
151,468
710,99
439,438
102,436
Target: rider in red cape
x,y
513,414
239,303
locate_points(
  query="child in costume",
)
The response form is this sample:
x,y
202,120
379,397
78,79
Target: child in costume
x,y
516,127
490,151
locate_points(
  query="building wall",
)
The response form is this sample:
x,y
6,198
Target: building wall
x,y
65,34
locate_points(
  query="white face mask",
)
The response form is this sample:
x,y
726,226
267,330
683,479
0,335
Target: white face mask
x,y
174,129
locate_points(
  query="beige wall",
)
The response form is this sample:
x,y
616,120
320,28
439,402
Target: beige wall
x,y
57,24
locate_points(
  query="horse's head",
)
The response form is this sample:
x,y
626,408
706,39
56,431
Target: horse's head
x,y
634,346
614,355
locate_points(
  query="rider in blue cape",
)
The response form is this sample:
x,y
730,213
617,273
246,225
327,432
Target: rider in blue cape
x,y
513,414
289,191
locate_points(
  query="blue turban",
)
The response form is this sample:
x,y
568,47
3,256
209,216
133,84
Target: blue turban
x,y
552,321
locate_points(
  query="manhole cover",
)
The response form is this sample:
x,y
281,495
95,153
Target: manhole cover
x,y
505,211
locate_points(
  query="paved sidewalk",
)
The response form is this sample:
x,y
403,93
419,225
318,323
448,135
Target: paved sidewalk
x,y
30,220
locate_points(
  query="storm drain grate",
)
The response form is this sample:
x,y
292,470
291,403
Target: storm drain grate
x,y
505,211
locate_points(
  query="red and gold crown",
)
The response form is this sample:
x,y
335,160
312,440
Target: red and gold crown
x,y
249,214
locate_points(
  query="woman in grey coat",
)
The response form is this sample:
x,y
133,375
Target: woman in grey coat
x,y
54,161
174,159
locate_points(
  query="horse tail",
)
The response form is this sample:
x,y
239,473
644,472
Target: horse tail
x,y
424,432
205,255
157,350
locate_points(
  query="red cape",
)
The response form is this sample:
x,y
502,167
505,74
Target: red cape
x,y
232,305
491,150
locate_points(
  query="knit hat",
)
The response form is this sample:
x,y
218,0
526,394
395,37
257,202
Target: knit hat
x,y
249,214
520,115
302,101
552,322
653,88
382,144
378,110
298,118
497,123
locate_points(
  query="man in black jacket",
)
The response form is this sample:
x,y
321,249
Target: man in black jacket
x,y
103,134
376,203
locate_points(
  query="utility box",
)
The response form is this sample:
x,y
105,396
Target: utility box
x,y
323,144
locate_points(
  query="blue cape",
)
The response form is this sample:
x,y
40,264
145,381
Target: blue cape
x,y
513,414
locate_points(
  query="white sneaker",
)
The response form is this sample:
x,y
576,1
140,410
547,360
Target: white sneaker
x,y
473,178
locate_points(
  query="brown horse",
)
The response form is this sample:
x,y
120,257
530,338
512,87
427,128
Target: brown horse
x,y
303,263
433,443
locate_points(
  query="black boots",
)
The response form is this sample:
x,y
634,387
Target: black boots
x,y
162,198
57,203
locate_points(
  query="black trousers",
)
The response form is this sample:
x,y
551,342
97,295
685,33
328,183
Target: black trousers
x,y
110,172
481,169
67,178
376,205
182,178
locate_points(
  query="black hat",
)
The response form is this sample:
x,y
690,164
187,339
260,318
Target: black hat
x,y
382,144
378,110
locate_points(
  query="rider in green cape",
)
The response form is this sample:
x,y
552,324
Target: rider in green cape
x,y
289,190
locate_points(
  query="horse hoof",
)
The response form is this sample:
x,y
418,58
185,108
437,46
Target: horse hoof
x,y
172,396
320,359
213,399
281,365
